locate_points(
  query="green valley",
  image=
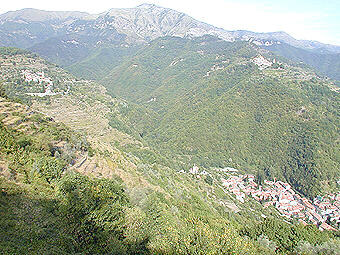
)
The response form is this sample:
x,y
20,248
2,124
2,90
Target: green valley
x,y
113,193
207,101
145,131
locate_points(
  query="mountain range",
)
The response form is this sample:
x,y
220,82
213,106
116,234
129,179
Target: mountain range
x,y
74,35
141,24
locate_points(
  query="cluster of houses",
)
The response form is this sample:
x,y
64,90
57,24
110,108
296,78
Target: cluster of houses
x,y
262,62
259,60
42,79
261,43
290,204
39,77
196,172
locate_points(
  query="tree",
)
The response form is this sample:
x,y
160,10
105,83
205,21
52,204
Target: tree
x,y
2,90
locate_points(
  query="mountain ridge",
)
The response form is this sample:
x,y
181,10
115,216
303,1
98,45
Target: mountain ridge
x,y
76,37
32,14
191,26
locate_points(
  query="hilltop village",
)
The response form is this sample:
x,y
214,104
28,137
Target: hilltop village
x,y
32,76
41,79
323,212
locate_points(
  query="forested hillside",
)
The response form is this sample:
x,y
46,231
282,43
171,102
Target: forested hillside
x,y
326,63
88,187
101,61
213,104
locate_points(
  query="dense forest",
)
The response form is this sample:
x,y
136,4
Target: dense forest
x,y
206,101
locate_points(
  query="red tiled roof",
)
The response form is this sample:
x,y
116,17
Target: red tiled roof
x,y
303,222
325,226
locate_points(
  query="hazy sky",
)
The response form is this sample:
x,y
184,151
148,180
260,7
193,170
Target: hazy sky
x,y
303,19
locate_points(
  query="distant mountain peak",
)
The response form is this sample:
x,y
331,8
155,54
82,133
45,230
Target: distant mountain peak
x,y
137,25
36,15
147,5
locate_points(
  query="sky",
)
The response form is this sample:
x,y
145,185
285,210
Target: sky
x,y
303,19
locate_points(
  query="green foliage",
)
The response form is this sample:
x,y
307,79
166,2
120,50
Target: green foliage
x,y
269,122
236,116
286,237
11,51
100,62
93,211
35,154
330,247
28,223
324,63
85,215
52,210
2,90
208,179
50,169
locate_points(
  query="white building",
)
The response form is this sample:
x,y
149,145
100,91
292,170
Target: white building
x,y
194,169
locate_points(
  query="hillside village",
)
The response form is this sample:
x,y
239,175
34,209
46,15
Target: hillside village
x,y
323,212
262,62
32,76
39,77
